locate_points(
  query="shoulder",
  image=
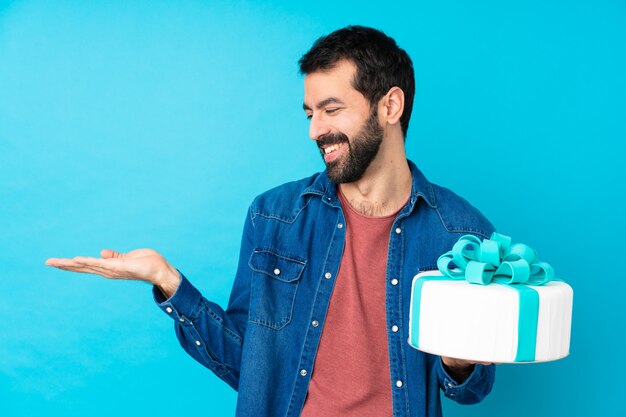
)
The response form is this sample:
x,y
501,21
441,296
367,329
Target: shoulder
x,y
458,215
454,213
285,201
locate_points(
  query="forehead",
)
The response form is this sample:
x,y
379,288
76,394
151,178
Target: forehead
x,y
335,82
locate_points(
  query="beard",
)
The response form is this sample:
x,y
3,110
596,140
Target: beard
x,y
361,151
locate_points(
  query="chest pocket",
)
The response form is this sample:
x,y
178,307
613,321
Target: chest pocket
x,y
274,284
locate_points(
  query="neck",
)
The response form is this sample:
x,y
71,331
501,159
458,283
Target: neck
x,y
385,187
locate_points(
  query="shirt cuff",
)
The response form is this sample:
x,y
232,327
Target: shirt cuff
x,y
183,303
451,388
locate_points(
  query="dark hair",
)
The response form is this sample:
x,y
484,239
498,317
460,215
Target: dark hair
x,y
380,64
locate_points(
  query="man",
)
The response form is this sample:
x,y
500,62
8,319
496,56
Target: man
x,y
317,321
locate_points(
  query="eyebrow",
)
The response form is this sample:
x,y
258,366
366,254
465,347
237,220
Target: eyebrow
x,y
324,103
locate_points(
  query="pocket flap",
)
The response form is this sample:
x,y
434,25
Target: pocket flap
x,y
277,266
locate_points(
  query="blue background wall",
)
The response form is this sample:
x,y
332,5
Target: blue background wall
x,y
154,124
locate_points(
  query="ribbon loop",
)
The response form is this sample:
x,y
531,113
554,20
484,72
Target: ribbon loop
x,y
542,272
521,251
513,272
478,273
491,252
443,264
504,240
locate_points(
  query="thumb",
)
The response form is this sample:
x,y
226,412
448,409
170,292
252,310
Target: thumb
x,y
109,253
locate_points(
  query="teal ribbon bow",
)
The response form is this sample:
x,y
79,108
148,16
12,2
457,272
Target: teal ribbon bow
x,y
496,260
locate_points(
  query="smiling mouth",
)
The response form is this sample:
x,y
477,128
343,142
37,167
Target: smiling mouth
x,y
331,148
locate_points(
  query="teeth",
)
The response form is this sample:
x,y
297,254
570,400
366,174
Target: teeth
x,y
331,148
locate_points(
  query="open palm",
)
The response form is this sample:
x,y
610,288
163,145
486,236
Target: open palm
x,y
140,264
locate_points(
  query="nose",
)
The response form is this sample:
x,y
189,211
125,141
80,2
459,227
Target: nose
x,y
317,127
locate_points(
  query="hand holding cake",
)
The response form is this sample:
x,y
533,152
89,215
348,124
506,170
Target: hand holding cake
x,y
459,369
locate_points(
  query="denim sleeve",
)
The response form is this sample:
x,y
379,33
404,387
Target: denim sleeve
x,y
211,335
473,389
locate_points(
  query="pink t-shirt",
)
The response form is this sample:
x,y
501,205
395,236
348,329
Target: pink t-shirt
x,y
351,374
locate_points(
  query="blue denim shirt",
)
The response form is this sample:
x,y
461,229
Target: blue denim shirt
x,y
264,343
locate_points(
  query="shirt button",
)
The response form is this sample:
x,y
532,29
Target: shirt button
x,y
394,281
328,275
198,343
394,328
276,271
449,384
452,395
398,230
399,384
315,323
303,372
169,309
340,226
182,320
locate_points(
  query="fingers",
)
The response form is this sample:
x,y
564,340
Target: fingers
x,y
51,261
78,261
108,268
59,262
86,270
109,253
107,273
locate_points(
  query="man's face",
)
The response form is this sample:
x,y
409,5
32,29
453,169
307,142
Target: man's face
x,y
346,131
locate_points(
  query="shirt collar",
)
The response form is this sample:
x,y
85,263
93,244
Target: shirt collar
x,y
420,187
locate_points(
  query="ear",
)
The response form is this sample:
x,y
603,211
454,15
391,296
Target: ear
x,y
391,106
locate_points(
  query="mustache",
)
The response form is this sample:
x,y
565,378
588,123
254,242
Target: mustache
x,y
331,139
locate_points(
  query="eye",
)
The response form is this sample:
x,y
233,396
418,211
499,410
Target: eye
x,y
332,110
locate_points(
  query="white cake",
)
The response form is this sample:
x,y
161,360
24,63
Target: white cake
x,y
480,322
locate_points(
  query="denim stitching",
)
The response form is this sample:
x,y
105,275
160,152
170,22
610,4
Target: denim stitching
x,y
452,229
292,258
289,220
217,318
219,368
